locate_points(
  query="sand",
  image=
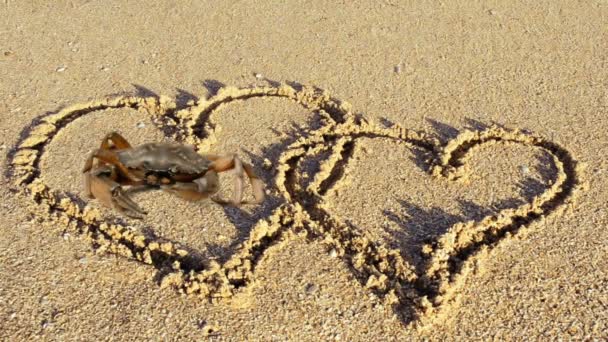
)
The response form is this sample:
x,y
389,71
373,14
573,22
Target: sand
x,y
432,171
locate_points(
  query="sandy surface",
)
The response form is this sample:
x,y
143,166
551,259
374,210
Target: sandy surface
x,y
362,235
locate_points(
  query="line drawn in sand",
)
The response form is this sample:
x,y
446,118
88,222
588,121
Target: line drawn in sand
x,y
417,295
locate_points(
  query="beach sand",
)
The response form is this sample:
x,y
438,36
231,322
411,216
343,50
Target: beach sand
x,y
384,219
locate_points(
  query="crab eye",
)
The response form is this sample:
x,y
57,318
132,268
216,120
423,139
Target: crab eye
x,y
173,169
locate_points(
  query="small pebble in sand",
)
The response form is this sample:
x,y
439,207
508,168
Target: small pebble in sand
x,y
258,76
397,69
333,253
141,125
201,323
524,169
61,69
83,260
72,45
311,288
104,68
267,164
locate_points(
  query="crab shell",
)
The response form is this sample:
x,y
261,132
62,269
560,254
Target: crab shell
x,y
166,161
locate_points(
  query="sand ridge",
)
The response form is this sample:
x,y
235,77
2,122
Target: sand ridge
x,y
457,252
418,297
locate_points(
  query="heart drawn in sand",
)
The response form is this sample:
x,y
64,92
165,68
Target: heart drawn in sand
x,y
416,293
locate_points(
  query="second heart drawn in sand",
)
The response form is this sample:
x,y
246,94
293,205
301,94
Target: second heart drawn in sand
x,y
417,292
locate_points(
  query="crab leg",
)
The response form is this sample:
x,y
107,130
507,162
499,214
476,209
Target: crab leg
x,y
233,162
109,192
198,189
115,138
188,191
104,153
109,157
256,184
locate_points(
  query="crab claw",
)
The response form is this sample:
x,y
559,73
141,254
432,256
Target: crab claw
x,y
110,193
122,202
221,201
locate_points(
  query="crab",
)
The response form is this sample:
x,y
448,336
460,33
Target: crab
x,y
174,168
